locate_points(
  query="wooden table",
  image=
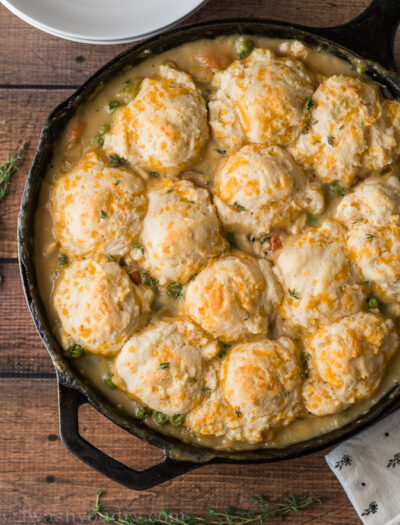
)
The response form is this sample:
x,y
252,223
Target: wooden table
x,y
40,481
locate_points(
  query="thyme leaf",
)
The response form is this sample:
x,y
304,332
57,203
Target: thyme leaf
x,y
266,509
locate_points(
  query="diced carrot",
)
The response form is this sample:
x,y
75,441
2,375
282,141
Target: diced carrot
x,y
76,132
135,277
210,60
276,242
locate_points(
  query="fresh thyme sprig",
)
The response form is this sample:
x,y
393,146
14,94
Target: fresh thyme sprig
x,y
8,168
230,516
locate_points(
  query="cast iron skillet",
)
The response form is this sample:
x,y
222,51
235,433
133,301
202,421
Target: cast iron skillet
x,y
369,36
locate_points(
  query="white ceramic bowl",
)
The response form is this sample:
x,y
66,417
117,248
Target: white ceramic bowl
x,y
103,21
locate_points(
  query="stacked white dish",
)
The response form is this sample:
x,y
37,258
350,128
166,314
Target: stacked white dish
x,y
102,21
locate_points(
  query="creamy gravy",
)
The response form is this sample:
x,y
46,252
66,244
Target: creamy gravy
x,y
94,114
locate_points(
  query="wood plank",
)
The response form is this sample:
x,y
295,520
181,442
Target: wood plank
x,y
40,479
21,349
23,113
39,58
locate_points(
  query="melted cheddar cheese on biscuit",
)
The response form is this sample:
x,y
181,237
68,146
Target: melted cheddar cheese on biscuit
x,y
347,361
97,209
260,99
163,366
258,391
180,232
98,307
164,127
372,216
233,297
319,281
260,188
351,131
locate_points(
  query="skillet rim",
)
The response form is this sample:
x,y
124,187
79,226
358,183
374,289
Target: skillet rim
x,y
52,129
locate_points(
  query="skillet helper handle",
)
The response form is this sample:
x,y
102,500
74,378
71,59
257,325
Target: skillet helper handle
x,y
371,34
69,401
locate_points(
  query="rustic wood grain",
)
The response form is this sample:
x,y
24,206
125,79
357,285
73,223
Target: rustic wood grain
x,y
23,113
41,479
21,350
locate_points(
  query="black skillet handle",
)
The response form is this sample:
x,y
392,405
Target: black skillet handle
x,y
371,34
69,401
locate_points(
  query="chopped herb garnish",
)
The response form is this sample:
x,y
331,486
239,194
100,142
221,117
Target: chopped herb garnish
x,y
104,129
113,105
63,259
337,189
330,140
314,123
148,280
316,141
169,191
137,246
154,174
98,141
362,124
373,302
143,412
237,412
192,380
160,418
177,420
103,214
116,161
221,151
175,289
312,219
251,237
309,103
163,366
230,516
244,46
238,206
232,240
108,381
206,389
341,127
265,238
305,369
117,182
8,168
370,236
247,317
356,221
77,352
110,257
367,283
293,294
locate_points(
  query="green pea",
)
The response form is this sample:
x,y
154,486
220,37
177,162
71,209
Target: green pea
x,y
244,46
131,87
143,412
77,352
178,420
160,418
108,381
373,302
104,129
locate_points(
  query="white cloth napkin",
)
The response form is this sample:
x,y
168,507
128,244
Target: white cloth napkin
x,y
368,467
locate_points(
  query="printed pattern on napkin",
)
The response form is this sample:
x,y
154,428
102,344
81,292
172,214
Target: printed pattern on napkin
x,y
368,467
